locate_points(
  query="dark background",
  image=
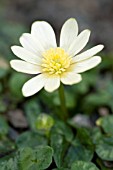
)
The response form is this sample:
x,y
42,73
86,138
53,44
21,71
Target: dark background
x,y
96,15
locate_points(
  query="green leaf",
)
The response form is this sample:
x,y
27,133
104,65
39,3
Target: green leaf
x,y
63,129
4,128
1,88
40,158
96,135
89,79
77,152
52,99
3,73
60,169
6,145
48,98
104,148
11,164
61,136
3,105
59,145
25,158
106,123
97,99
9,33
16,82
84,137
32,110
81,165
30,139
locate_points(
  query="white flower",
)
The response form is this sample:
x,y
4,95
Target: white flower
x,y
52,64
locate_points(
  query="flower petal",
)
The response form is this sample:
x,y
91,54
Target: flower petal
x,y
89,53
69,32
31,44
24,67
26,55
87,64
52,84
70,78
34,85
79,43
44,34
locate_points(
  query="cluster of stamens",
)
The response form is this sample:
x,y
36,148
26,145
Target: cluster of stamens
x,y
55,61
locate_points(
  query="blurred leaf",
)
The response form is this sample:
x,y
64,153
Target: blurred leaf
x,y
89,79
70,99
11,164
63,129
3,73
32,110
103,95
30,139
6,145
60,169
29,159
107,62
4,128
84,136
9,35
26,158
48,98
16,82
81,165
77,152
52,99
97,99
40,158
96,135
104,148
61,136
106,123
59,145
1,88
3,105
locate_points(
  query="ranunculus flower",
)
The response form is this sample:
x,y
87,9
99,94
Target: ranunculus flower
x,y
54,64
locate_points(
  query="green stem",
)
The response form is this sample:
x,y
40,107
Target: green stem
x,y
63,102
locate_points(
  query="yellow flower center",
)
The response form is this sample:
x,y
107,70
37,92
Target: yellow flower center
x,y
55,61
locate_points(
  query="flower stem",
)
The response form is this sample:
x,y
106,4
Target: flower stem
x,y
63,102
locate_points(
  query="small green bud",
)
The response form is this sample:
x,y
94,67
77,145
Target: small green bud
x,y
44,123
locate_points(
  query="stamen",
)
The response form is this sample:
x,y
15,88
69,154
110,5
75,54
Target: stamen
x,y
55,61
